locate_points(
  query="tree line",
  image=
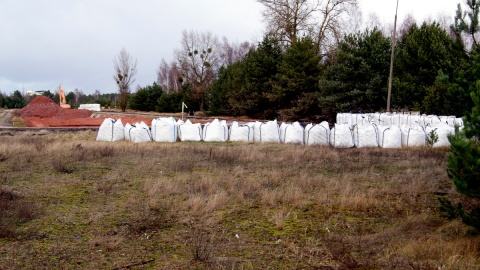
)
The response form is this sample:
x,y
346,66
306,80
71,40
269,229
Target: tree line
x,y
296,73
309,66
18,100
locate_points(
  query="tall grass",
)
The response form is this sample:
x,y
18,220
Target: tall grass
x,y
232,205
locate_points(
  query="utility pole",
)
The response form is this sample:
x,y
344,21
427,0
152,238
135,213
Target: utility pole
x,y
390,78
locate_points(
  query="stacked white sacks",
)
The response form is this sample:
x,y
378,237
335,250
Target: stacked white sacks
x,y
396,129
111,130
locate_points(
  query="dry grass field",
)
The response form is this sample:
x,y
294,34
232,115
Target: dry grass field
x,y
69,202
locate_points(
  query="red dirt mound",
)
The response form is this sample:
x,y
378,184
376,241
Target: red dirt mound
x,y
44,107
41,107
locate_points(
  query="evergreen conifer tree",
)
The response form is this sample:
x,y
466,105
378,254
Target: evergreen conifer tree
x,y
463,165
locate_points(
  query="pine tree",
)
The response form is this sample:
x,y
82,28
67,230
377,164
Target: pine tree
x,y
463,165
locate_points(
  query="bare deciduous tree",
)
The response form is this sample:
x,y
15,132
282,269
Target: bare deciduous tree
x,y
233,52
125,70
168,76
287,19
322,20
78,95
198,61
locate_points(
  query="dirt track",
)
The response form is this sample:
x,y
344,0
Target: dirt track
x,y
5,118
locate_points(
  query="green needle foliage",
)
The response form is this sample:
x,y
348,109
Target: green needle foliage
x,y
463,165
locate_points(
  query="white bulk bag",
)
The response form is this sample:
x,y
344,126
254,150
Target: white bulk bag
x,y
413,136
414,120
241,133
256,131
111,130
396,119
459,122
317,134
364,119
341,136
137,133
389,136
340,118
365,136
268,132
216,131
449,120
291,133
385,119
375,118
190,132
442,130
431,120
164,129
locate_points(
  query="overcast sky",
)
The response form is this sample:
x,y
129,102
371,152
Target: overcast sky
x,y
73,42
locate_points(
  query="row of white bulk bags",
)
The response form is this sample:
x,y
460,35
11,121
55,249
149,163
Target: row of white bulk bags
x,y
341,136
190,132
241,133
399,119
291,133
365,136
317,134
137,133
268,132
111,130
215,131
164,129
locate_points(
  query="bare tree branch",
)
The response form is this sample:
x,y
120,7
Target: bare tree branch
x,y
323,20
125,71
198,61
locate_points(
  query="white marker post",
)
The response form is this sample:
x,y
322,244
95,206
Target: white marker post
x,y
183,106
